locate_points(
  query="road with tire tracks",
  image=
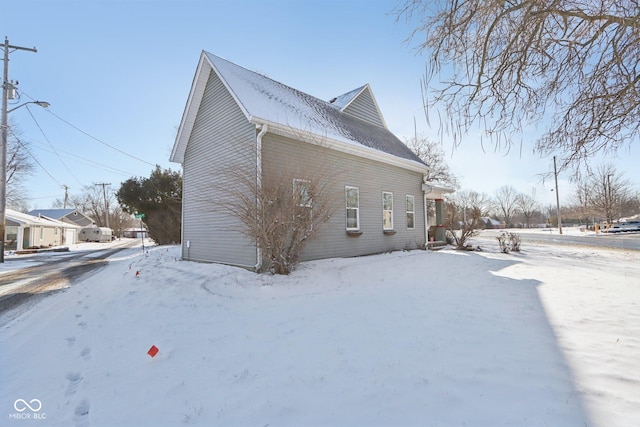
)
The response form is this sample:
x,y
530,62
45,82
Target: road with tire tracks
x,y
629,240
51,273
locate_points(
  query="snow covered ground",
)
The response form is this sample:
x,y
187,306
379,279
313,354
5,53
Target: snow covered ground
x,y
546,337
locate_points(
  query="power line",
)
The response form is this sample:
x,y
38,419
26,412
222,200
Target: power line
x,y
51,145
33,157
91,136
98,140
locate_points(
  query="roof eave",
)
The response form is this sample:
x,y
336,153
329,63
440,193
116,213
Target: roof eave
x,y
341,146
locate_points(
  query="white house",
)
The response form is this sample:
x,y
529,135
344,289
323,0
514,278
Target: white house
x,y
23,231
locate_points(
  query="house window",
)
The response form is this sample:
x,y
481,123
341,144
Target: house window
x,y
304,201
302,192
41,233
387,211
411,213
353,207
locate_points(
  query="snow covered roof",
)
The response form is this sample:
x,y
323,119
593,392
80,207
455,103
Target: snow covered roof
x,y
51,213
27,219
285,109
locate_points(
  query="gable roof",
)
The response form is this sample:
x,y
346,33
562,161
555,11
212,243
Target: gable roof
x,y
28,220
291,112
51,213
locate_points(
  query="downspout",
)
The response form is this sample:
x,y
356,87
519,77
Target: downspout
x,y
426,208
263,130
426,220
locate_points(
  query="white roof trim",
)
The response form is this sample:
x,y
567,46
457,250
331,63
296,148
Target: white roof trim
x,y
190,110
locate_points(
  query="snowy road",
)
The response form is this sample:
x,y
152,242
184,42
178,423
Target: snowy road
x,y
50,272
616,241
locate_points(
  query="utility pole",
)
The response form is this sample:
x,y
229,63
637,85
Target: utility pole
x,y
555,172
106,206
3,151
609,201
66,195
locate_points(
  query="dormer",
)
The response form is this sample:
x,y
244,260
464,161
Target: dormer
x,y
360,103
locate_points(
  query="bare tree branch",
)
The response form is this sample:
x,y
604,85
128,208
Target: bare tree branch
x,y
506,65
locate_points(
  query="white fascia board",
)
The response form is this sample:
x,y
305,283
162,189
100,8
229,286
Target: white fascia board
x,y
435,191
375,102
345,147
190,110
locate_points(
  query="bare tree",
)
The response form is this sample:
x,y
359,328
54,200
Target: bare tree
x,y
608,193
91,203
19,167
581,201
431,153
507,203
527,205
510,64
464,211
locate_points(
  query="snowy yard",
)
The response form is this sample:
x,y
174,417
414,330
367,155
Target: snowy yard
x,y
546,337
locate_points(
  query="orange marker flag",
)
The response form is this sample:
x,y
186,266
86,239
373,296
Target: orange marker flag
x,y
153,351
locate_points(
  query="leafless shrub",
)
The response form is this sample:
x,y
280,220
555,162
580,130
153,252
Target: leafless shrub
x,y
509,242
281,212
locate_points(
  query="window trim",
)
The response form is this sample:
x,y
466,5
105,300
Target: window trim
x,y
412,212
356,208
296,193
385,228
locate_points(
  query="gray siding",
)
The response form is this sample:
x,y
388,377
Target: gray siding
x,y
221,143
364,107
372,178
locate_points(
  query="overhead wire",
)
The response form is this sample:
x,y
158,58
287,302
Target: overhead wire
x,y
91,136
52,147
24,146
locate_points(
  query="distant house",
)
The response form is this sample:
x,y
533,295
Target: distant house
x,y
72,216
381,189
25,231
135,233
492,223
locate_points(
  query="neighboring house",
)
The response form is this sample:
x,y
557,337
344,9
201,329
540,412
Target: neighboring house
x,y
237,119
492,222
135,233
72,216
25,231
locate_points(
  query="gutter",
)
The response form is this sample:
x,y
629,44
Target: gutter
x,y
263,129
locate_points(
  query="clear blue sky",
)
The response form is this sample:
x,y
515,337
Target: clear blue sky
x,y
121,71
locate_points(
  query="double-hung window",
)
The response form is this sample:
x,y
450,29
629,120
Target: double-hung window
x,y
303,201
411,212
302,192
352,195
387,211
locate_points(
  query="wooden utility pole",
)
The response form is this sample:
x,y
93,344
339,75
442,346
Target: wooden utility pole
x,y
3,149
106,205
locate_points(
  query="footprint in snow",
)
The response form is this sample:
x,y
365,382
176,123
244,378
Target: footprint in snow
x,y
81,417
86,353
71,341
74,379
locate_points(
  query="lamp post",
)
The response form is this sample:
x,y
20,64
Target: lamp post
x,y
3,163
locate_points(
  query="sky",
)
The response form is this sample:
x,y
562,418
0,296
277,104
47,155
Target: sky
x,y
118,73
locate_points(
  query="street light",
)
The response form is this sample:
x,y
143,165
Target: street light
x,y
43,104
3,165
